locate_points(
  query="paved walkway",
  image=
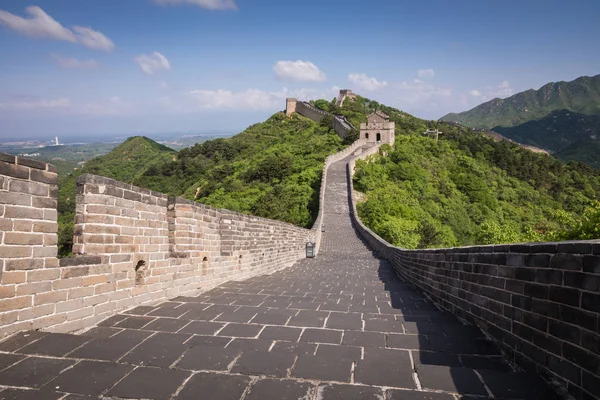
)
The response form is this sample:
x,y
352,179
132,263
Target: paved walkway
x,y
340,326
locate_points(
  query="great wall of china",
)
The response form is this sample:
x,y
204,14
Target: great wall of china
x,y
539,302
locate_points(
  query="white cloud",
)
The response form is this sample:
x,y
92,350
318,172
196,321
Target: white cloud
x,y
75,63
475,93
299,71
504,90
251,99
209,4
366,83
41,25
151,63
426,73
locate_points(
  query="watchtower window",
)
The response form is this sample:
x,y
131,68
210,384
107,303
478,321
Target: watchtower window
x,y
366,135
379,137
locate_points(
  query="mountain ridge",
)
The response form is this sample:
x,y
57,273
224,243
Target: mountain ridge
x,y
581,95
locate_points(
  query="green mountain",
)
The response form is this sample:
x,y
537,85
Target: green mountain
x,y
584,151
125,163
465,189
581,96
557,131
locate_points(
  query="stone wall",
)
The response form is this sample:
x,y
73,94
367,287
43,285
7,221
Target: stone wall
x,y
134,247
540,301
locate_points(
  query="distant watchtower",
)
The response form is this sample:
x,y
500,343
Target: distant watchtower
x,y
290,106
378,129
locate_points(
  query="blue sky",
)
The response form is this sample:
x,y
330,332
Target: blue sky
x,y
81,68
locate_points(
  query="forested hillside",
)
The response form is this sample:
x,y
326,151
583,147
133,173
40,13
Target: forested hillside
x,y
272,169
467,189
464,189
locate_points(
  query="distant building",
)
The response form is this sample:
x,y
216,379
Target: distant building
x,y
378,129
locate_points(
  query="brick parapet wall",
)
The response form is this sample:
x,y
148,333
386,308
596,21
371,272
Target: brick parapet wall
x,y
133,246
539,301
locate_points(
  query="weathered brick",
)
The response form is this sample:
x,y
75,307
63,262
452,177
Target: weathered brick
x,y
9,277
582,281
14,171
579,317
9,158
7,291
20,238
17,199
37,189
591,264
45,227
31,163
94,280
76,293
44,176
50,297
565,295
23,212
590,302
44,202
15,303
567,261
43,275
69,305
36,312
591,384
23,263
33,288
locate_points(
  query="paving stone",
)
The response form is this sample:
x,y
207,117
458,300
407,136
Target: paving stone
x,y
166,325
411,395
56,345
321,336
413,342
307,318
171,312
517,385
141,310
280,333
20,394
274,317
280,389
342,308
136,322
20,340
384,326
208,358
160,350
202,314
214,386
7,360
260,362
435,358
203,340
112,321
101,332
295,348
367,339
451,379
112,348
202,327
322,368
385,367
349,392
494,363
250,344
33,372
90,377
241,330
149,383
347,321
243,314
339,352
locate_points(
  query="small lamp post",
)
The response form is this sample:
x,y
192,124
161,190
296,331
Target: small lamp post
x,y
322,227
310,250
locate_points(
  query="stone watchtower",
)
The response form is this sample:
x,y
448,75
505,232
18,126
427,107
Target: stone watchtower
x,y
290,106
378,129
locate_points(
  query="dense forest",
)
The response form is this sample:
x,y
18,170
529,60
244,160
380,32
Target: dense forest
x,y
272,169
467,189
463,189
